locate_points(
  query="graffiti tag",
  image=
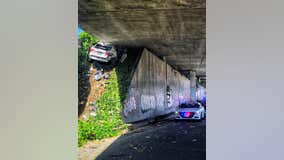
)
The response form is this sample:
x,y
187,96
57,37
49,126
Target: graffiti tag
x,y
147,103
129,106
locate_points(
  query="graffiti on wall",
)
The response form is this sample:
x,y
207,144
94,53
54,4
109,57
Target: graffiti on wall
x,y
130,104
147,103
151,96
160,99
169,97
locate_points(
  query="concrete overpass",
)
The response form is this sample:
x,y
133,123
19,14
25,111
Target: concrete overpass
x,y
173,29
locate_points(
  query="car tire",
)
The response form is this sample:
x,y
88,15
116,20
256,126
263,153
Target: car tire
x,y
113,61
199,120
201,117
89,60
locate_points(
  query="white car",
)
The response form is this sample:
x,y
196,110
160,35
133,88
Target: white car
x,y
187,111
102,52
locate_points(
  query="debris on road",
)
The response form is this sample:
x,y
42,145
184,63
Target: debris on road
x,y
84,117
93,114
106,76
98,75
93,106
91,88
120,155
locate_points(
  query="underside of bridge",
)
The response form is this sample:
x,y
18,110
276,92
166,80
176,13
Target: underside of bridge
x,y
172,29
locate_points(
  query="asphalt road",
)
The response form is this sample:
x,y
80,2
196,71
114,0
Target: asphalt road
x,y
170,140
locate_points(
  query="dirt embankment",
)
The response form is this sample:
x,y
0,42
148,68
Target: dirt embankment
x,y
89,91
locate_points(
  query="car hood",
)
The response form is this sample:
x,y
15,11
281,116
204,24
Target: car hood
x,y
188,109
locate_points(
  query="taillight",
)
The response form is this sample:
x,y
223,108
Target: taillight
x,y
91,49
108,53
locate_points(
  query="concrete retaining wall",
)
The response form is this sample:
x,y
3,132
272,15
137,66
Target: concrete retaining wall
x,y
155,89
201,93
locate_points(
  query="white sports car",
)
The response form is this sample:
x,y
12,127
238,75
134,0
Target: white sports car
x,y
187,111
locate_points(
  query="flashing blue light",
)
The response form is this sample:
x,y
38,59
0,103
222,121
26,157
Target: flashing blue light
x,y
185,114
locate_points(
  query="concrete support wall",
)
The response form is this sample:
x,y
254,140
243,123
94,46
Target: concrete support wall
x,y
193,86
201,93
155,89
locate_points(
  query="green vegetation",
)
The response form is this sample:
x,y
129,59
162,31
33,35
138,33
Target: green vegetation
x,y
86,41
108,120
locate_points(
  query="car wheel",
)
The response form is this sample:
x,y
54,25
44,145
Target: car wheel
x,y
202,116
113,61
200,119
89,59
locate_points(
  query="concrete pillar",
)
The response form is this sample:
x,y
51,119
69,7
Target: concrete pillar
x,y
192,86
166,82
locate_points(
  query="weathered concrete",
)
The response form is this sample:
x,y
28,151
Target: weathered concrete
x,y
201,93
174,29
193,86
155,89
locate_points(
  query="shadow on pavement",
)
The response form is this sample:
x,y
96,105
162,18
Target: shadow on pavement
x,y
168,140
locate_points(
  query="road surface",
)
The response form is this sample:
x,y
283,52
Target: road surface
x,y
170,140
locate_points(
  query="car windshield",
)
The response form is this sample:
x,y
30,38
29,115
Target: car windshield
x,y
189,105
107,48
194,106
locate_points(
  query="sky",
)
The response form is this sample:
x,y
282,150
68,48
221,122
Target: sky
x,y
79,30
